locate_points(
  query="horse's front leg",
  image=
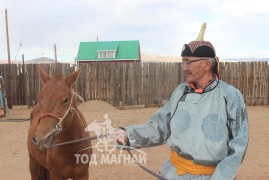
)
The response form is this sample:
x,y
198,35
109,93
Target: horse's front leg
x,y
33,167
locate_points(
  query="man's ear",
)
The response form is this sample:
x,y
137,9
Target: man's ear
x,y
208,64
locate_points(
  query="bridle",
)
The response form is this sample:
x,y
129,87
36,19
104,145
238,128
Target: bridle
x,y
59,127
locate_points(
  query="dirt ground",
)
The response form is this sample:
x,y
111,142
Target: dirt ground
x,y
14,154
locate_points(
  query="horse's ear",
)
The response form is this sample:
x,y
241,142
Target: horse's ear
x,y
71,79
43,75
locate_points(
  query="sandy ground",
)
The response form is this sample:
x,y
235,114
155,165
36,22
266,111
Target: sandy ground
x,y
14,154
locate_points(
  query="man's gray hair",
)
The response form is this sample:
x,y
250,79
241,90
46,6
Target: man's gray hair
x,y
213,63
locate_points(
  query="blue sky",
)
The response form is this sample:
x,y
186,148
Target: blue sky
x,y
237,28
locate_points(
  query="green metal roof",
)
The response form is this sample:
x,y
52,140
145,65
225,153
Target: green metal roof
x,y
125,50
108,46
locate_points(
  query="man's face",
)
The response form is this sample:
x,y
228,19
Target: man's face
x,y
194,68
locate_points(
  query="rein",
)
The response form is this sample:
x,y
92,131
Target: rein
x,y
127,148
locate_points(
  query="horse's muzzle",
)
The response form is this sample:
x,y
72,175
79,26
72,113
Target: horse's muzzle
x,y
43,144
35,142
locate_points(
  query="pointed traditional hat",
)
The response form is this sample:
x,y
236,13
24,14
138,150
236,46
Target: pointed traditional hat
x,y
199,47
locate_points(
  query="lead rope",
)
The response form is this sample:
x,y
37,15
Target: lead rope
x,y
128,148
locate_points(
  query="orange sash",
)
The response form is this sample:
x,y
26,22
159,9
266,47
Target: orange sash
x,y
185,166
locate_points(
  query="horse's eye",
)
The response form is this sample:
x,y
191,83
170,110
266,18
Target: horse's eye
x,y
66,100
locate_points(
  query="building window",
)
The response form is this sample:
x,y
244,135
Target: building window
x,y
110,54
106,54
101,54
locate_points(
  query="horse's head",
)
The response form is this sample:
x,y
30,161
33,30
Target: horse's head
x,y
55,102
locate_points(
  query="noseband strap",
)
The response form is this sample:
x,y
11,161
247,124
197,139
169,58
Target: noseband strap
x,y
47,114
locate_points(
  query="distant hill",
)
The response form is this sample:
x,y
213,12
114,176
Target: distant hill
x,y
159,58
40,60
32,61
253,59
3,61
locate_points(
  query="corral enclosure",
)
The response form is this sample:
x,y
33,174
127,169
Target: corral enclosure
x,y
124,84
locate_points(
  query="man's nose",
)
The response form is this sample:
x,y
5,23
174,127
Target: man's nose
x,y
185,68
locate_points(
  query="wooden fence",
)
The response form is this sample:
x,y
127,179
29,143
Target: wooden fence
x,y
122,84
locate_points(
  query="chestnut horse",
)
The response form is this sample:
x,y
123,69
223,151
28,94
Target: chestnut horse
x,y
56,119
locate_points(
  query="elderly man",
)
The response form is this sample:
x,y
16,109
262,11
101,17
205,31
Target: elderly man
x,y
204,122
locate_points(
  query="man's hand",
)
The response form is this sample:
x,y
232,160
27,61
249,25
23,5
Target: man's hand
x,y
121,136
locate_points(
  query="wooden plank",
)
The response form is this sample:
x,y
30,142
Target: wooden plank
x,y
256,81
103,90
151,83
139,88
123,84
113,84
109,80
99,79
161,80
263,79
14,83
91,73
145,84
159,84
263,83
251,85
106,83
31,85
260,83
118,84
244,80
267,84
24,84
131,85
248,85
136,83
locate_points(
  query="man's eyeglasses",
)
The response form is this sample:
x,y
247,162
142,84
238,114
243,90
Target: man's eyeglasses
x,y
187,62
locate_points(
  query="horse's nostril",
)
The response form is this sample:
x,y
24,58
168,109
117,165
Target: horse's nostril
x,y
34,140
